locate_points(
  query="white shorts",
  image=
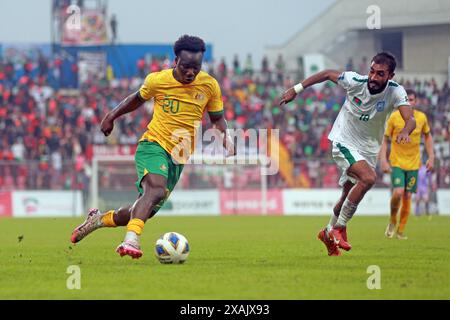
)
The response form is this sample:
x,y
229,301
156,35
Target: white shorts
x,y
346,156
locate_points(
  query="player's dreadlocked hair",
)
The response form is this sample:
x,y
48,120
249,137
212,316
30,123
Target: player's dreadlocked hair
x,y
189,43
387,59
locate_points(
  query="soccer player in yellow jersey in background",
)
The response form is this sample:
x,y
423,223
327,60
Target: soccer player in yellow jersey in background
x,y
404,164
181,96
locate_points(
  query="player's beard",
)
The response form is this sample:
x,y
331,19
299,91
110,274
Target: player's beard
x,y
378,90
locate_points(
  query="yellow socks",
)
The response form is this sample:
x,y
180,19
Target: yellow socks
x,y
395,204
404,213
135,225
108,219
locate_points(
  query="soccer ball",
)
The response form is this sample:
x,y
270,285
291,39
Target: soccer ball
x,y
172,247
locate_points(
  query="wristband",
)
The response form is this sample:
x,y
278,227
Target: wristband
x,y
298,88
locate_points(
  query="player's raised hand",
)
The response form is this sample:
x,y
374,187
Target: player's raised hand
x,y
107,125
288,96
403,137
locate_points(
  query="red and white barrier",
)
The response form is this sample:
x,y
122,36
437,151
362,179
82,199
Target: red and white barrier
x,y
5,204
41,204
210,202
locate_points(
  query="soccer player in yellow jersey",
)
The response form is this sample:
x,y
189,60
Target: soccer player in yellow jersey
x,y
404,164
181,96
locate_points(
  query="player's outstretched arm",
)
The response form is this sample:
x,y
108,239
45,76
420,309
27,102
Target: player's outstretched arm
x,y
220,123
127,105
384,163
410,124
319,77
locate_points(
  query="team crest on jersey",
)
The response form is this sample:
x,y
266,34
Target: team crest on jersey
x,y
380,106
199,96
357,101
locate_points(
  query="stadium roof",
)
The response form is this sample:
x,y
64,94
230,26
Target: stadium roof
x,y
347,15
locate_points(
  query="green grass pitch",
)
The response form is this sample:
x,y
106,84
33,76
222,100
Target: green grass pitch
x,y
237,257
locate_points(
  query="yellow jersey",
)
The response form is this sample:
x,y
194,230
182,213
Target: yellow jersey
x,y
406,156
178,108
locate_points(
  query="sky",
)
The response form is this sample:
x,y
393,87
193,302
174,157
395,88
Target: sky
x,y
231,26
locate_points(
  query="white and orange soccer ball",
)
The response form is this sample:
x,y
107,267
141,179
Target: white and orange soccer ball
x,y
172,247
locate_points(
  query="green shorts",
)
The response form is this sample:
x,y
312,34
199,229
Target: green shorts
x,y
150,157
406,179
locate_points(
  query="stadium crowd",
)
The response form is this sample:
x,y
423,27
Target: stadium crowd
x,y
46,132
